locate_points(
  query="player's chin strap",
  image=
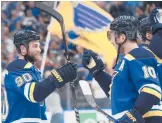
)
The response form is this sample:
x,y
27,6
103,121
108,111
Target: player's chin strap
x,y
117,58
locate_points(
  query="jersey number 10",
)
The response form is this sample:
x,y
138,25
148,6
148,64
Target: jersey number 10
x,y
149,72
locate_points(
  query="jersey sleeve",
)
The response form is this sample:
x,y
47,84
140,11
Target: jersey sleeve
x,y
29,91
144,76
29,83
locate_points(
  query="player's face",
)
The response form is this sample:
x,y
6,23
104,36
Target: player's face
x,y
111,38
149,35
34,50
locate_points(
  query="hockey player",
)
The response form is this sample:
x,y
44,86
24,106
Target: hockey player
x,y
156,22
135,89
25,89
148,27
145,31
155,46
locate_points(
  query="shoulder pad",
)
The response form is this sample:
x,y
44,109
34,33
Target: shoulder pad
x,y
158,59
18,64
139,53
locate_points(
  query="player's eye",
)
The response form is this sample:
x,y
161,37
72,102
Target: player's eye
x,y
36,45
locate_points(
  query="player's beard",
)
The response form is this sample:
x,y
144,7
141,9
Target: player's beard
x,y
31,58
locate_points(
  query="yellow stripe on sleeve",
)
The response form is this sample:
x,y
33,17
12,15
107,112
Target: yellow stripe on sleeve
x,y
28,65
152,91
153,113
31,97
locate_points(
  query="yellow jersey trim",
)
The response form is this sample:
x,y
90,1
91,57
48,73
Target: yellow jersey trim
x,y
153,113
28,65
152,91
31,97
129,57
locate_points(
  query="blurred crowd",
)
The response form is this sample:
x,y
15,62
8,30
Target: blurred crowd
x,y
18,15
23,15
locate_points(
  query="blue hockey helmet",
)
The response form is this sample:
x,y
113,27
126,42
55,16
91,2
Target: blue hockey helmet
x,y
127,25
144,27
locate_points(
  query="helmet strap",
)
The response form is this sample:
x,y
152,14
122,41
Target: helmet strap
x,y
118,53
117,58
123,42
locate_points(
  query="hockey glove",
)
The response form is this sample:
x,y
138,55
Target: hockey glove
x,y
64,74
92,62
132,116
155,18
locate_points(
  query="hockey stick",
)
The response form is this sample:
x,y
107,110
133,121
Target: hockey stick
x,y
88,95
59,18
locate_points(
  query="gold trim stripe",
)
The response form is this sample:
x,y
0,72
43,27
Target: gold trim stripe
x,y
31,97
152,91
153,113
28,65
129,57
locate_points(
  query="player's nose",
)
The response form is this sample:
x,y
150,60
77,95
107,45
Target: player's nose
x,y
39,49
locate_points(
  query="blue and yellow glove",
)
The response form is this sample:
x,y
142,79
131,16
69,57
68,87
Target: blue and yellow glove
x,y
64,74
92,62
132,116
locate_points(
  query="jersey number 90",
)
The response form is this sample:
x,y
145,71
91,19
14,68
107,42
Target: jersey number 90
x,y
24,78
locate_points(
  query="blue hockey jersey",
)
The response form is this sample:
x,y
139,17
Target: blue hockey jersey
x,y
136,72
159,65
20,79
160,73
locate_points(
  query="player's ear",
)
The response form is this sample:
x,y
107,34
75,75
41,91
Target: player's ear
x,y
23,50
122,37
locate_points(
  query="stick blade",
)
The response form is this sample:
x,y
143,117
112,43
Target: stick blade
x,y
87,93
85,87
